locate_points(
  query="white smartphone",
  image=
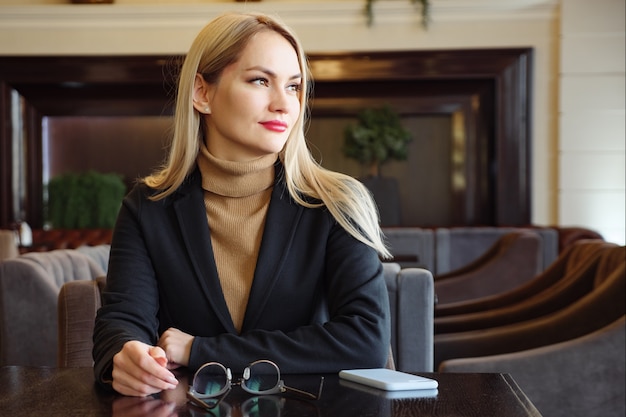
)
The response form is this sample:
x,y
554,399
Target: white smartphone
x,y
387,379
391,395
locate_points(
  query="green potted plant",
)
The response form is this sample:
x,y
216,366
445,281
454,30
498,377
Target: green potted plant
x,y
88,200
377,138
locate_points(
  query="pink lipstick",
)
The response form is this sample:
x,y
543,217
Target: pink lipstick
x,y
275,125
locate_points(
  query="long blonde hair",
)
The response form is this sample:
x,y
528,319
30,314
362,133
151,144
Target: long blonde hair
x,y
218,45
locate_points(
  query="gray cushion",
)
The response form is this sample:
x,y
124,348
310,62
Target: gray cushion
x,y
412,247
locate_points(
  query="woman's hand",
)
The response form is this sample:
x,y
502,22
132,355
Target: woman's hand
x,y
140,370
177,347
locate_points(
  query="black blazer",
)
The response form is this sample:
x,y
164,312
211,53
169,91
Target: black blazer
x,y
318,301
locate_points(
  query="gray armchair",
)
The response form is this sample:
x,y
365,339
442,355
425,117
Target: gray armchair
x,y
411,299
29,289
79,302
411,247
410,296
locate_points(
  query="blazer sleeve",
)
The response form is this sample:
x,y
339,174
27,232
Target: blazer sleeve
x,y
131,300
353,331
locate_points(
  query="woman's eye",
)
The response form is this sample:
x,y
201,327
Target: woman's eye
x,y
294,87
260,81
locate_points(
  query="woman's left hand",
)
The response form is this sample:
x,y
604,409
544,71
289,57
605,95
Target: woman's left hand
x,y
177,347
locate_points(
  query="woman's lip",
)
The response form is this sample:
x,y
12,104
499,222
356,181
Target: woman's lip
x,y
275,125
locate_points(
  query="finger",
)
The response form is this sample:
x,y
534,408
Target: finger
x,y
148,364
159,355
144,378
141,385
130,390
157,369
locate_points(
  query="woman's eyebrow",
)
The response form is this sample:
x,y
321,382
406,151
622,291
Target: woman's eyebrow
x,y
271,73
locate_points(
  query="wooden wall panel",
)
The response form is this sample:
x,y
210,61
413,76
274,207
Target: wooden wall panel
x,y
487,89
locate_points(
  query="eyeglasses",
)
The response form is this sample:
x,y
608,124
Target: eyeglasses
x,y
213,381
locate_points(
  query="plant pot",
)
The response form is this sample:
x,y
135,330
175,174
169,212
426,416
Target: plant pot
x,y
387,197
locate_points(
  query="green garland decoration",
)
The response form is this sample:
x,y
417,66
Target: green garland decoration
x,y
425,4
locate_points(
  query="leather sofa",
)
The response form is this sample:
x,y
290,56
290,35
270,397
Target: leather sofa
x,y
573,257
514,259
546,293
458,246
581,377
603,304
443,250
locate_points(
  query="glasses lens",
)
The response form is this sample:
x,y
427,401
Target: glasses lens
x,y
210,380
261,376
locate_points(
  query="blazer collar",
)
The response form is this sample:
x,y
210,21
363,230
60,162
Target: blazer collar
x,y
280,225
188,203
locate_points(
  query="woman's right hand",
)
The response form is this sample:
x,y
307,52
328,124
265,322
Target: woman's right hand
x,y
140,370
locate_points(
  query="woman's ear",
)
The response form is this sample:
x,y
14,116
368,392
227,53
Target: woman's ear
x,y
201,100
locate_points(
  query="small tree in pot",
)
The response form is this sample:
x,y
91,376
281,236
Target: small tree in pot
x,y
377,138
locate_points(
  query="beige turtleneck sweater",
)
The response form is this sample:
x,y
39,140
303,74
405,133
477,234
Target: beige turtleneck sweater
x,y
236,197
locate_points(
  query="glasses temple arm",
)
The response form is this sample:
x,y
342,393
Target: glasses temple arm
x,y
307,394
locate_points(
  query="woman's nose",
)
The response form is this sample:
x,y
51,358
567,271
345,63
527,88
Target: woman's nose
x,y
279,101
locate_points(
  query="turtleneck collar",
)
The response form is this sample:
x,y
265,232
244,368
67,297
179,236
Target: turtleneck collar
x,y
235,179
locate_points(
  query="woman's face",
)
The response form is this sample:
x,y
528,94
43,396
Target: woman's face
x,y
256,101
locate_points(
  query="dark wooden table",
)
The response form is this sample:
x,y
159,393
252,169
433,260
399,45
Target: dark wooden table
x,y
71,392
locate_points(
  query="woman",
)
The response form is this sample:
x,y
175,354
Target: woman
x,y
242,247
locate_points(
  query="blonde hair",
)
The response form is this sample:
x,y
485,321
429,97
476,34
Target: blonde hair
x,y
218,45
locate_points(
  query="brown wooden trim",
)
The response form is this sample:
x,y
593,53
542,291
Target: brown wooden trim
x,y
510,72
6,149
33,202
498,79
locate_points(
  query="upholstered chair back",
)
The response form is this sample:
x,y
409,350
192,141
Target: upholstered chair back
x,y
29,289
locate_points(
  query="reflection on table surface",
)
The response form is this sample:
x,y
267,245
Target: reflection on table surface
x,y
238,403
69,392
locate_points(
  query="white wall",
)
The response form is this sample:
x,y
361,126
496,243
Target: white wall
x,y
592,99
36,27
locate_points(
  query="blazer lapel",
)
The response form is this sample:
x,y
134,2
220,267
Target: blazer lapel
x,y
280,226
189,208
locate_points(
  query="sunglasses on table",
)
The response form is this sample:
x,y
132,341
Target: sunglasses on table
x,y
213,381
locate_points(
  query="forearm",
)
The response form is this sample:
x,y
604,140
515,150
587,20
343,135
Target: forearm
x,y
356,334
130,298
311,349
